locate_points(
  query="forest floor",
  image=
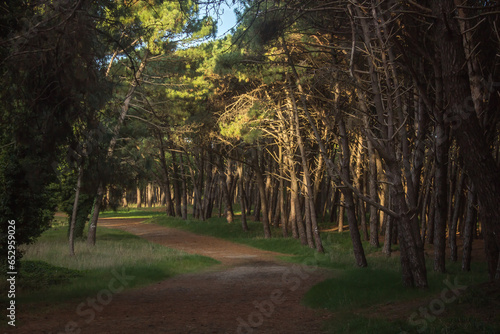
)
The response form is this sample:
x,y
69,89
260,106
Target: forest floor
x,y
250,291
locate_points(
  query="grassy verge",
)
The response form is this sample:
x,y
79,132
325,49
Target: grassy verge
x,y
49,274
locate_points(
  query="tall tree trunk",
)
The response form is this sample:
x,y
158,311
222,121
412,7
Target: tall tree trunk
x,y
184,188
412,256
75,210
318,179
228,205
177,186
340,218
336,203
372,185
389,222
441,198
307,216
470,222
139,198
454,222
241,182
281,199
149,194
262,192
169,205
358,183
296,214
350,208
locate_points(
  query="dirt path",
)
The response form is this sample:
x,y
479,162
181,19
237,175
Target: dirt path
x,y
249,292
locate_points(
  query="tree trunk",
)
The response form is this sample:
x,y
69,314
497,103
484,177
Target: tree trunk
x,y
256,210
441,198
340,218
228,205
358,183
75,210
149,194
139,198
307,216
372,185
412,251
296,214
169,205
244,224
281,199
177,186
386,249
470,222
262,192
184,189
350,208
454,222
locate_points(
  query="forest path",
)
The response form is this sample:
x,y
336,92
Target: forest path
x,y
251,291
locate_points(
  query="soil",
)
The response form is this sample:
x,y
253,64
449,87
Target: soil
x,y
250,291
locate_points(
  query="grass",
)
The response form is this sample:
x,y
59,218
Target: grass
x,y
49,274
145,213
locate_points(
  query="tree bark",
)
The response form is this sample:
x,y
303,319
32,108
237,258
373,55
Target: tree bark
x,y
184,189
296,212
169,205
262,192
341,214
177,186
244,224
372,185
139,198
228,207
440,198
454,222
470,222
73,215
350,208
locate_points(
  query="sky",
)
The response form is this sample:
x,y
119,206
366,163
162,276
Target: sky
x,y
226,21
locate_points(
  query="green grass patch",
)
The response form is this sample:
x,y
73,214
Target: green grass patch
x,y
354,294
38,274
145,213
357,288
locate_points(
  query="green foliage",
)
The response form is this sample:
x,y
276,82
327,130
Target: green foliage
x,y
24,198
51,79
247,122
